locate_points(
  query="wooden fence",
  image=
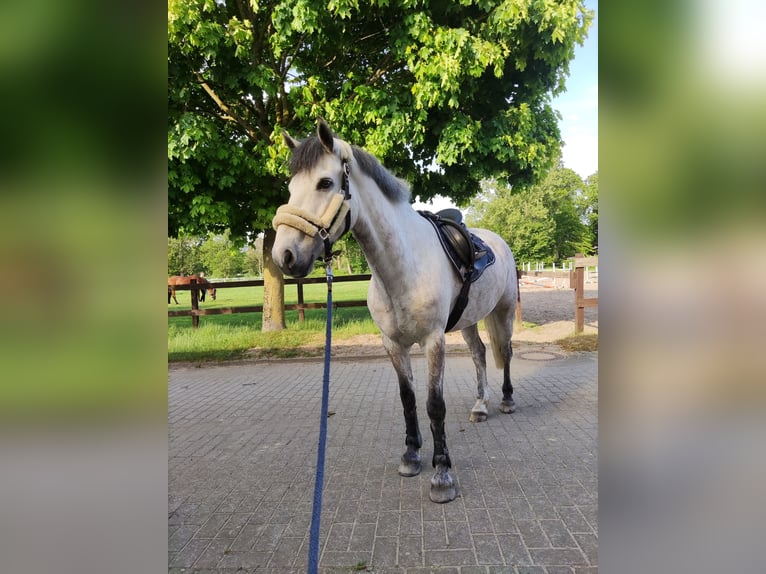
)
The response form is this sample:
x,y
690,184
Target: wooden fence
x,y
195,312
577,281
576,278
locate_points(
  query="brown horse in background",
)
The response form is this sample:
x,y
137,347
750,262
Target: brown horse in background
x,y
176,280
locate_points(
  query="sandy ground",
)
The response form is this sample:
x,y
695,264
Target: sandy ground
x,y
549,306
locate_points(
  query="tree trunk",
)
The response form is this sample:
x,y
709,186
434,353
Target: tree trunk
x,y
348,264
273,288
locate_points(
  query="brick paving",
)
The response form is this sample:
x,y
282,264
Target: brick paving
x,y
242,454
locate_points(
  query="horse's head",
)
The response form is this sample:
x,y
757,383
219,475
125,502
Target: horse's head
x,y
201,280
318,211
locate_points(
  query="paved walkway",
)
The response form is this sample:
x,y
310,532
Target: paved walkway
x,y
242,453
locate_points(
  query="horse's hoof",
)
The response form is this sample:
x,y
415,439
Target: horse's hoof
x,y
410,465
477,417
479,411
507,406
443,488
409,469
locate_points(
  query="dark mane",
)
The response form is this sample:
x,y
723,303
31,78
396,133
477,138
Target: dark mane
x,y
392,187
308,154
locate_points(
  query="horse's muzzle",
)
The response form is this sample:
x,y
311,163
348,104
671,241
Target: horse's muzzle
x,y
291,265
294,253
285,260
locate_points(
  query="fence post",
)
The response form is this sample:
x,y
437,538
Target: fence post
x,y
579,309
301,312
517,318
581,265
194,302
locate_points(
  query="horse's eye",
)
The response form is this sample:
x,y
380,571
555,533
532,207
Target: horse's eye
x,y
325,183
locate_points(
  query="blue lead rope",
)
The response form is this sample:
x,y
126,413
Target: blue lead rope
x,y
316,511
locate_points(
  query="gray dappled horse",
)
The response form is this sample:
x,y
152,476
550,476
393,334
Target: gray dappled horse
x,y
336,187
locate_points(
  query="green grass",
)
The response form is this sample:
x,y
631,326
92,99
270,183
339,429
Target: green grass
x,y
346,291
222,337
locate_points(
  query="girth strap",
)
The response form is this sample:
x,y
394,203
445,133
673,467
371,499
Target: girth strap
x,y
460,303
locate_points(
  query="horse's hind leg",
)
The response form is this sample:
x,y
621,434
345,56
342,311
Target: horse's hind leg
x,y
479,355
507,405
443,488
400,357
500,328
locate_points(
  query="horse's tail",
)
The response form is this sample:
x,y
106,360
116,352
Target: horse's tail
x,y
500,328
496,337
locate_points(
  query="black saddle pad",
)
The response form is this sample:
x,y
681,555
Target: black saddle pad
x,y
462,259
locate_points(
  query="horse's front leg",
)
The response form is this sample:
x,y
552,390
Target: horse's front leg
x,y
443,488
479,411
400,358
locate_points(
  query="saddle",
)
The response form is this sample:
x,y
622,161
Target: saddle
x,y
469,255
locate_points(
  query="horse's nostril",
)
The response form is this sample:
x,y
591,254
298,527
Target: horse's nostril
x,y
288,258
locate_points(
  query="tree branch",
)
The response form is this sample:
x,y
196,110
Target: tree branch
x,y
256,22
256,107
229,115
382,69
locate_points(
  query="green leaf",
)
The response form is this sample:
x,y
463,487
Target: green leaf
x,y
463,85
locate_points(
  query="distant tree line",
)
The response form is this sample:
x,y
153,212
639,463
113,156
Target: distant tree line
x,y
213,255
221,257
550,221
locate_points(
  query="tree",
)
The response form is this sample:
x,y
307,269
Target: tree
x,y
221,256
351,258
588,207
521,219
254,257
444,94
560,190
183,255
215,255
539,222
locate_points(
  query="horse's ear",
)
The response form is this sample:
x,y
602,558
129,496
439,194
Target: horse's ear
x,y
290,142
325,135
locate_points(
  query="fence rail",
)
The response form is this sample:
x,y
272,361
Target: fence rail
x,y
576,281
195,312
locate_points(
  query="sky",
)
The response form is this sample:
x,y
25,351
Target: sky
x,y
579,111
579,105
